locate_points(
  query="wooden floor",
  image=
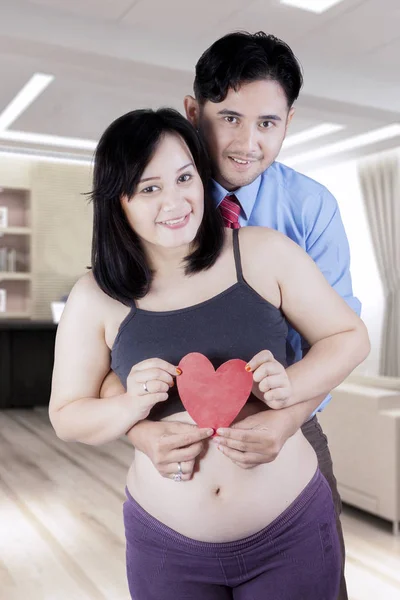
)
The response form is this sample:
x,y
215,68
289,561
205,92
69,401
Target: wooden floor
x,y
61,532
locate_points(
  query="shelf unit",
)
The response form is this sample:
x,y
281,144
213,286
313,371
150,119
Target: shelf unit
x,y
16,315
16,238
7,276
15,230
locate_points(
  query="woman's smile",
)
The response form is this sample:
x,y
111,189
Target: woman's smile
x,y
177,223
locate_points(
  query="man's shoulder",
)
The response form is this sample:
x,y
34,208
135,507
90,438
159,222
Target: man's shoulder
x,y
295,186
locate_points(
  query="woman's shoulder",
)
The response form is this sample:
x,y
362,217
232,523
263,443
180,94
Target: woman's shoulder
x,y
86,285
263,239
89,311
87,293
262,247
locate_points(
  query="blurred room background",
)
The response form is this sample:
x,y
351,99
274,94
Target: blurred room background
x,y
70,67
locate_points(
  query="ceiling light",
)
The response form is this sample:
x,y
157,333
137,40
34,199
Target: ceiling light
x,y
315,6
48,140
357,141
312,133
18,154
35,86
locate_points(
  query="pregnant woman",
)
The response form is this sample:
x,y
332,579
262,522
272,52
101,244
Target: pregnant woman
x,y
167,279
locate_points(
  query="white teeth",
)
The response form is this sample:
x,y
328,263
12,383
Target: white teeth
x,y
174,221
241,162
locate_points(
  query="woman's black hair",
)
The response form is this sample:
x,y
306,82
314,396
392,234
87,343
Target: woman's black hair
x,y
119,264
243,57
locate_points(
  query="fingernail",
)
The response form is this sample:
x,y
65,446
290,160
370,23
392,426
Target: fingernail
x,y
210,431
220,431
178,371
216,440
172,384
248,368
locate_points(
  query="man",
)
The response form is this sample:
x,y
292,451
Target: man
x,y
245,88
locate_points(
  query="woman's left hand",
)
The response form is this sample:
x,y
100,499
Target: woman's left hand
x,y
271,381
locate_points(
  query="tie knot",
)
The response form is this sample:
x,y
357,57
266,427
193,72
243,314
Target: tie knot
x,y
230,210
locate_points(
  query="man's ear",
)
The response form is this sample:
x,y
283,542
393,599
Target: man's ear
x,y
290,117
192,110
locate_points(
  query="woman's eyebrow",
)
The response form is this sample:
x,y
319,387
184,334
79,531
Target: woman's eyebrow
x,y
190,164
178,171
148,179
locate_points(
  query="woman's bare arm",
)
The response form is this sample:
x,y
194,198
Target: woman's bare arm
x,y
82,360
337,336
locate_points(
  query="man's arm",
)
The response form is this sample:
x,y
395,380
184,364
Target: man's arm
x,y
328,246
326,243
165,443
260,438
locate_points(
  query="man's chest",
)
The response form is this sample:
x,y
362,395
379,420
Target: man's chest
x,y
280,216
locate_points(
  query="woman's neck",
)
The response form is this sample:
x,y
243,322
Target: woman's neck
x,y
167,262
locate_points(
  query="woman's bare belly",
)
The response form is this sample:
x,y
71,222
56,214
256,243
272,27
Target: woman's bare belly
x,y
223,502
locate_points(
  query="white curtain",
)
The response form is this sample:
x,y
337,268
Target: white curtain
x,y
380,184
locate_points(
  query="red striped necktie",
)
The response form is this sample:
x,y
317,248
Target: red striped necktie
x,y
230,210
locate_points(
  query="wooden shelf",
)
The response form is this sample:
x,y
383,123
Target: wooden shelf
x,y
16,237
15,231
15,315
14,276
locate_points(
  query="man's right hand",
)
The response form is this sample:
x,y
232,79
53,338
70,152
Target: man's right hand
x,y
168,443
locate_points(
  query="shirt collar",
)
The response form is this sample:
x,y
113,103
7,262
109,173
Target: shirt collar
x,y
247,195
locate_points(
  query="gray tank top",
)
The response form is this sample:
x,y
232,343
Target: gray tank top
x,y
236,323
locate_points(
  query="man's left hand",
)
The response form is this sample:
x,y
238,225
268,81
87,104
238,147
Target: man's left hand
x,y
257,439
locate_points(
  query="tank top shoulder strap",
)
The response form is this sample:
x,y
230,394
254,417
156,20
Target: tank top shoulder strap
x,y
236,254
132,312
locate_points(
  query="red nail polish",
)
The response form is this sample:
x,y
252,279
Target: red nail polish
x,y
248,368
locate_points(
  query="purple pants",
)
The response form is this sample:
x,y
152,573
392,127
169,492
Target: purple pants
x,y
296,557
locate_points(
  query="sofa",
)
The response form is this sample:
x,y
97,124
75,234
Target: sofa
x,y
362,423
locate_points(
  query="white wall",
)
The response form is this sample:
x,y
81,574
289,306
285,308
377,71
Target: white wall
x,y
15,172
342,181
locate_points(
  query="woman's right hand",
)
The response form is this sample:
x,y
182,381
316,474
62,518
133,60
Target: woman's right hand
x,y
149,383
168,443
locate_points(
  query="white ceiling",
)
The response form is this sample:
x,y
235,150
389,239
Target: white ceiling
x,y
110,56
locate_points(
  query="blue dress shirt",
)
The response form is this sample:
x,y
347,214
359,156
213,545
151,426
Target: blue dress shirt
x,y
305,211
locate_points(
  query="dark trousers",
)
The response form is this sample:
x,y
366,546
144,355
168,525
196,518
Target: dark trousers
x,y
312,430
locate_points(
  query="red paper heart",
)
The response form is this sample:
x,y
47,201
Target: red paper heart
x,y
213,398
